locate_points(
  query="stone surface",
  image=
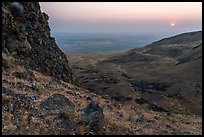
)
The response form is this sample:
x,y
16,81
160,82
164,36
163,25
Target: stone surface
x,y
26,36
92,118
57,102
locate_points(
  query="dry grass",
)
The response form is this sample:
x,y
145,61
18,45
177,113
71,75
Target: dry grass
x,y
40,77
80,130
112,125
69,114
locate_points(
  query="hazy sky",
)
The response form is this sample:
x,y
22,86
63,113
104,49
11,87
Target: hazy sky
x,y
124,17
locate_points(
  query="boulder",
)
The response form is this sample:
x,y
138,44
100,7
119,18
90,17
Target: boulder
x,y
57,102
92,118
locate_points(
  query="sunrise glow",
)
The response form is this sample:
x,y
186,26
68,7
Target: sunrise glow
x,y
123,17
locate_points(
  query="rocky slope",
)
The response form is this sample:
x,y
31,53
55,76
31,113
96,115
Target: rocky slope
x,y
36,79
26,41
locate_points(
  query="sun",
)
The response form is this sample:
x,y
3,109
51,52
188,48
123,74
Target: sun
x,y
172,24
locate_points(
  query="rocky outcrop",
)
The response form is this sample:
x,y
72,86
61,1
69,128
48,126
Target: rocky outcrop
x,y
26,38
57,102
92,118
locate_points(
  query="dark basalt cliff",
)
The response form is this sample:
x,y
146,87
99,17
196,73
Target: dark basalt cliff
x,y
27,40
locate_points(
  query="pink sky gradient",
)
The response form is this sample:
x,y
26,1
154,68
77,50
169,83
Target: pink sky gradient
x,y
78,16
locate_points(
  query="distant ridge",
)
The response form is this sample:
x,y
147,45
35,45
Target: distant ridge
x,y
179,39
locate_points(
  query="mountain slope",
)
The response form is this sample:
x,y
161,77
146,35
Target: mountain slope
x,y
184,38
146,78
156,62
173,46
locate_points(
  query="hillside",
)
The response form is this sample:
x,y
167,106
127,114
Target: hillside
x,y
173,46
157,78
38,91
184,38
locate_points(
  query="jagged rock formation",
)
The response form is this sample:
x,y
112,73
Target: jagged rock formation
x,y
27,40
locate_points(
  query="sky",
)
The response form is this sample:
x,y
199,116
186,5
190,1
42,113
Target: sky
x,y
124,17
